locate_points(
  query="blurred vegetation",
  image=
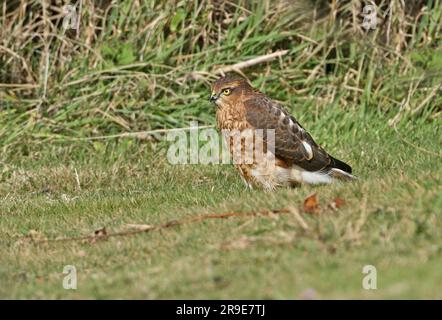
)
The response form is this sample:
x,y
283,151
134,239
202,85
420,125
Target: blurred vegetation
x,y
138,65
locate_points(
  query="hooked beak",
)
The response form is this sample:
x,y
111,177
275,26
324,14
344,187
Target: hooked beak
x,y
213,97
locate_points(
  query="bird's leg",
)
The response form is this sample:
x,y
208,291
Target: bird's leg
x,y
247,184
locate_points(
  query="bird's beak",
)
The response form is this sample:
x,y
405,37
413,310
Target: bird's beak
x,y
213,97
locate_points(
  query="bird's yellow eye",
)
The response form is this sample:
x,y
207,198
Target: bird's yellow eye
x,y
226,92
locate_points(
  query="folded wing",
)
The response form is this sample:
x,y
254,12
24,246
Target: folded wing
x,y
293,144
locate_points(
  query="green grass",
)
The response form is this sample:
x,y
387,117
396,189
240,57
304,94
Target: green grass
x,y
371,99
391,220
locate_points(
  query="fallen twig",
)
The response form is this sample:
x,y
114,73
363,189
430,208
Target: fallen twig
x,y
102,234
237,67
252,62
19,85
139,135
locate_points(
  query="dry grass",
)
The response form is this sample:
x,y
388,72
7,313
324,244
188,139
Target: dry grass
x,y
121,73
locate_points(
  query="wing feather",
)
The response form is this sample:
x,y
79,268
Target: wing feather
x,y
293,144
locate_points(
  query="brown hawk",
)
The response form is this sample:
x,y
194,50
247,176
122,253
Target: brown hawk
x,y
297,158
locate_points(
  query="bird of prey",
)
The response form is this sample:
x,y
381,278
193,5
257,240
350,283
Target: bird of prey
x,y
297,158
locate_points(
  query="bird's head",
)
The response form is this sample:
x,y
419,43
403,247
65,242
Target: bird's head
x,y
227,89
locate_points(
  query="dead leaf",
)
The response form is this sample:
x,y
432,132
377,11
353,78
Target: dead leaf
x,y
100,233
311,204
336,204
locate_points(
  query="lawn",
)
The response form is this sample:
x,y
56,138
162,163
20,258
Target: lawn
x,y
390,219
74,164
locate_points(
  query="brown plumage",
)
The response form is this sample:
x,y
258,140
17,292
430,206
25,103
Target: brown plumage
x,y
296,157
